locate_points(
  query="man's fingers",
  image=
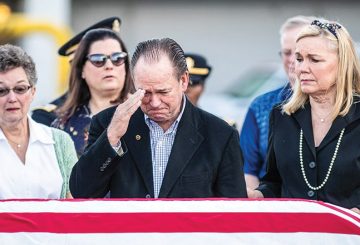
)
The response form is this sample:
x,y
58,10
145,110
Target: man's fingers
x,y
134,107
136,100
122,115
133,100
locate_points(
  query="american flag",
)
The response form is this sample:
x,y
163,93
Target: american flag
x,y
176,221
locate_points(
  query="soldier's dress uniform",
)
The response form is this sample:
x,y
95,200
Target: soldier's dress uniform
x,y
199,70
46,114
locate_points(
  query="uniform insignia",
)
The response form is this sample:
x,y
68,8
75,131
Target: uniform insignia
x,y
47,108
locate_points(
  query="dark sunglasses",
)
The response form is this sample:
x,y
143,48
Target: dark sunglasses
x,y
99,60
20,89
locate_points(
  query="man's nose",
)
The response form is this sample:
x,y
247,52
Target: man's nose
x,y
155,100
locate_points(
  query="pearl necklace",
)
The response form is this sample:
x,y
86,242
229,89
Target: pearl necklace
x,y
330,166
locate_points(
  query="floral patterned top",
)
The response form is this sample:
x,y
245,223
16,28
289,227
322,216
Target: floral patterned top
x,y
77,126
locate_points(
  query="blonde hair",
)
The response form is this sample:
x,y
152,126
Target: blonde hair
x,y
348,73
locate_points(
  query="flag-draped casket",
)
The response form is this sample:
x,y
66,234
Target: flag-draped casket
x,y
176,221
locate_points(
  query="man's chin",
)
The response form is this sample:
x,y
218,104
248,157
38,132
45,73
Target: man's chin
x,y
157,118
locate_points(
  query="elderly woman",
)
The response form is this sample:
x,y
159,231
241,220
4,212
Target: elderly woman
x,y
314,146
36,160
99,78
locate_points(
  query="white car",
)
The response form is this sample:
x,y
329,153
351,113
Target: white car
x,y
232,104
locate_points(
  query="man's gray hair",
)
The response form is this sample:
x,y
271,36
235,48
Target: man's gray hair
x,y
295,22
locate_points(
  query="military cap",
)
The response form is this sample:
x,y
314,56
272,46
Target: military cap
x,y
70,46
198,68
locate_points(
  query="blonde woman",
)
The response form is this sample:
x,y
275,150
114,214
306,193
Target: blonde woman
x,y
314,147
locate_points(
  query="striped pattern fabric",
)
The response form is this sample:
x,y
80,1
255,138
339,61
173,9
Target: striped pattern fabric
x,y
161,145
177,221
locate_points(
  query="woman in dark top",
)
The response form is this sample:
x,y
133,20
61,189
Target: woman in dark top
x,y
314,146
99,78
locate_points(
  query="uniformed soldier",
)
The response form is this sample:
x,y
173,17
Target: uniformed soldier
x,y
47,114
199,71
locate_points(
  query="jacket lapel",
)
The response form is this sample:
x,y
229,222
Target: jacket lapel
x,y
186,143
138,140
303,117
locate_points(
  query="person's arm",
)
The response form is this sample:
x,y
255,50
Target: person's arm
x,y
90,177
66,157
252,181
230,179
270,184
70,158
92,174
249,143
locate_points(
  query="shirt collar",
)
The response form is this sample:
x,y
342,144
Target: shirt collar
x,y
174,125
2,136
38,132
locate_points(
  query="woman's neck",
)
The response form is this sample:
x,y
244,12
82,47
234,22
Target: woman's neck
x,y
97,103
18,136
17,132
324,99
322,105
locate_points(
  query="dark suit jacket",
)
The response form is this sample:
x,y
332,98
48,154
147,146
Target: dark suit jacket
x,y
284,177
205,160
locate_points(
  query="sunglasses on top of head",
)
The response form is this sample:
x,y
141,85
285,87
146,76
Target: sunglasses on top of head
x,y
99,60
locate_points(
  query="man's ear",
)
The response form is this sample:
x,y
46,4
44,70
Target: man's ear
x,y
184,79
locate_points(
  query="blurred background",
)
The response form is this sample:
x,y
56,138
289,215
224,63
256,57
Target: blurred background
x,y
240,39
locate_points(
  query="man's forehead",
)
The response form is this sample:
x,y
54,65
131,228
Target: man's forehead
x,y
146,61
155,82
154,69
155,87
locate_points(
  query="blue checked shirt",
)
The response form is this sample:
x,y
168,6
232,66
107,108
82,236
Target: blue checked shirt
x,y
161,144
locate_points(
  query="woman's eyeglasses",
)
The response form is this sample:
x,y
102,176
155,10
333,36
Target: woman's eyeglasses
x,y
99,60
20,89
